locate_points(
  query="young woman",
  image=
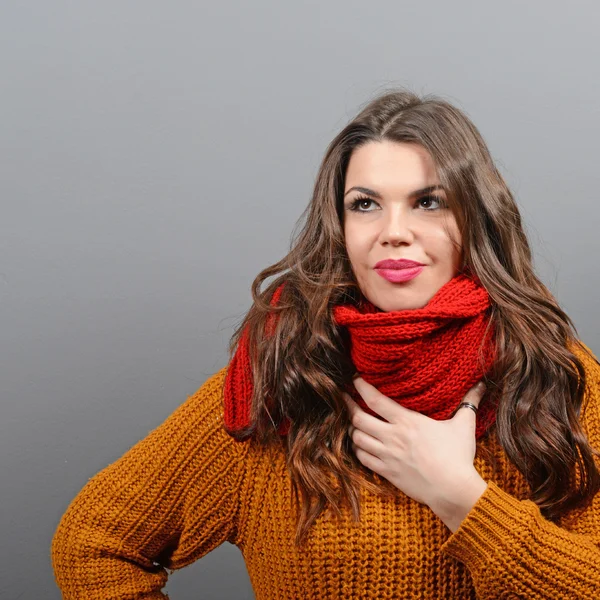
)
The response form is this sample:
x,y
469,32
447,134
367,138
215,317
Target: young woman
x,y
347,449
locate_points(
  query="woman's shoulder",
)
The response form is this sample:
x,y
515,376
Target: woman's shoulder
x,y
589,360
198,420
207,405
590,410
208,398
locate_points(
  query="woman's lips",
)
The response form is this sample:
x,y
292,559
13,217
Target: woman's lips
x,y
400,275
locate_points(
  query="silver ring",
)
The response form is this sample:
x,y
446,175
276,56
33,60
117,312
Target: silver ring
x,y
468,404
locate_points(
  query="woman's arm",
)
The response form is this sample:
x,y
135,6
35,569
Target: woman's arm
x,y
168,501
511,550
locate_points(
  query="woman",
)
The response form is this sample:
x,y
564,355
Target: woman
x,y
347,449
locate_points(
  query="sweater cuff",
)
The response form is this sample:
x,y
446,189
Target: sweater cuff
x,y
489,528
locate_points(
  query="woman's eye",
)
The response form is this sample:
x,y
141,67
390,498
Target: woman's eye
x,y
359,204
436,199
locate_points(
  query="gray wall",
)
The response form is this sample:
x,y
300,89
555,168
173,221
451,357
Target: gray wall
x,y
156,155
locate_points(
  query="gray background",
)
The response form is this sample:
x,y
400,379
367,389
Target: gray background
x,y
156,155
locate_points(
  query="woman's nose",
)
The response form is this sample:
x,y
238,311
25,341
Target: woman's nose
x,y
397,229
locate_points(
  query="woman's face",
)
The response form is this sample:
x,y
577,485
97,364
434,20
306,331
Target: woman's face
x,y
388,214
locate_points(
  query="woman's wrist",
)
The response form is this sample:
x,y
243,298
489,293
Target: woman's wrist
x,y
453,507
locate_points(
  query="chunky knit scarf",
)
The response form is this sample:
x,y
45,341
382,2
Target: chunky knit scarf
x,y
425,359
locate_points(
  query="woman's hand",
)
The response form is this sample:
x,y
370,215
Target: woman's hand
x,y
431,461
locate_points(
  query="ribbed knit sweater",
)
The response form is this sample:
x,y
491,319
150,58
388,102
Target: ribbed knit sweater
x,y
188,487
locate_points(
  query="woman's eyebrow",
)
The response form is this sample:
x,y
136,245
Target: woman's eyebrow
x,y
364,190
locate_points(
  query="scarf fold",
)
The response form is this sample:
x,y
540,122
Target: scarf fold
x,y
425,359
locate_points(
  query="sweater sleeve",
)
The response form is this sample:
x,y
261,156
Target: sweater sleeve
x,y
512,551
168,501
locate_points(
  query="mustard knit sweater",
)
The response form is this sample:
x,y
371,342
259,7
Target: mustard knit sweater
x,y
188,487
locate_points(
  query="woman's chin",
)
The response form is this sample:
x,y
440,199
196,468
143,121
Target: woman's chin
x,y
388,304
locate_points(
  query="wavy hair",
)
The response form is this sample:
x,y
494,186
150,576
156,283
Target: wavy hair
x,y
301,369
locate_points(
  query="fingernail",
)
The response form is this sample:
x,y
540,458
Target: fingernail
x,y
481,386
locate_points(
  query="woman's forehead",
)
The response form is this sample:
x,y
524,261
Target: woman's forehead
x,y
390,168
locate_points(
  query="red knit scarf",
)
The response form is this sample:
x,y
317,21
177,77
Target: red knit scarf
x,y
425,359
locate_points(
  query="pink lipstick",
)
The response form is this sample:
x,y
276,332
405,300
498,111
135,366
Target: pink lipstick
x,y
398,271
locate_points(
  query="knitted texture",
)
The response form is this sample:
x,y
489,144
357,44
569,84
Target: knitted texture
x,y
239,385
188,487
425,359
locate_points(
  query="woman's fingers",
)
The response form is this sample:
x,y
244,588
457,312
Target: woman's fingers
x,y
473,396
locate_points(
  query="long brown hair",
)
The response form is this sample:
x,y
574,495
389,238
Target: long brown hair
x,y
301,369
